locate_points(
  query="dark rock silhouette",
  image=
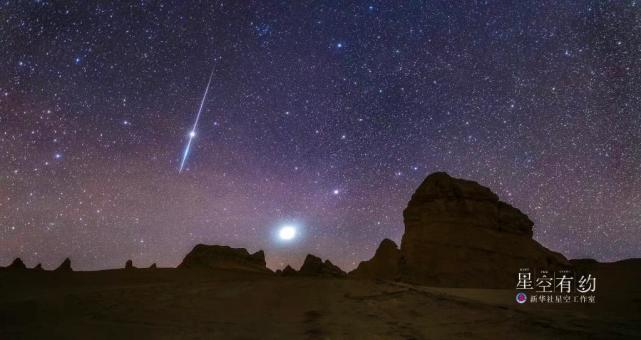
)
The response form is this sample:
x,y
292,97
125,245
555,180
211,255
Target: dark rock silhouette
x,y
588,263
583,262
129,264
459,234
17,264
65,266
38,267
288,271
224,257
153,266
620,275
314,266
384,264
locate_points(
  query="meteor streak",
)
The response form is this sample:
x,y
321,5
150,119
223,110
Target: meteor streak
x,y
192,133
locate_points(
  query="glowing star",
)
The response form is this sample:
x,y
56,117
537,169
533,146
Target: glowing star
x,y
287,233
192,133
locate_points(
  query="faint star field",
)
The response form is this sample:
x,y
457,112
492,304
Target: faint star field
x,y
323,114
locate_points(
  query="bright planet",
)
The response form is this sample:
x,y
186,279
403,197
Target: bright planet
x,y
287,233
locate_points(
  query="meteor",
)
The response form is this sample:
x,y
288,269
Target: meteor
x,y
192,133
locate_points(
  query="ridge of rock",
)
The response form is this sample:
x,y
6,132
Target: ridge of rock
x,y
314,266
224,257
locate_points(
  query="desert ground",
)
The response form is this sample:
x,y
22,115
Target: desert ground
x,y
228,304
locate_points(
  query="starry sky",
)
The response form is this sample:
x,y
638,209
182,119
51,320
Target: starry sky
x,y
325,115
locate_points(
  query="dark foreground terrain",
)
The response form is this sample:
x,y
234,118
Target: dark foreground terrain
x,y
176,304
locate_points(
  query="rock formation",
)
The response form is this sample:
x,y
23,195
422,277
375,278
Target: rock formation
x,y
459,234
314,266
38,267
288,271
384,264
17,264
224,257
65,266
153,266
623,275
129,265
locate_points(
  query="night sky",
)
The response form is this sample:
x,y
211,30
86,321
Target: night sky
x,y
322,115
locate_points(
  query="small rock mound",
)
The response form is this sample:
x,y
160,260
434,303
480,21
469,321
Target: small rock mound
x,y
288,271
17,264
65,266
38,267
314,266
384,264
153,266
129,265
224,257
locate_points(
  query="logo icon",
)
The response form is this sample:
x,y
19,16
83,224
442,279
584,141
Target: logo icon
x,y
521,298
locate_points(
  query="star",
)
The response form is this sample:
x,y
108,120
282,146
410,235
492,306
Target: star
x,y
364,97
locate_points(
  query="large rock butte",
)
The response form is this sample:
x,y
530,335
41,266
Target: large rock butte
x,y
459,234
224,257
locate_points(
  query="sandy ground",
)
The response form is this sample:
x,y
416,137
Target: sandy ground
x,y
173,304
